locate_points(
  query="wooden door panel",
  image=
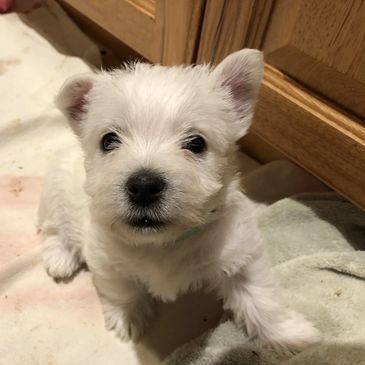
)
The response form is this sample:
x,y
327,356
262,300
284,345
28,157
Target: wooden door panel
x,y
322,46
162,31
125,20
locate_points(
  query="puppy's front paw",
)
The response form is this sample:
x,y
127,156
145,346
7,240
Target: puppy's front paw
x,y
123,326
293,333
60,262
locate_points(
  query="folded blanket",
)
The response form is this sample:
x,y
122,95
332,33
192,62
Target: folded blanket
x,y
315,242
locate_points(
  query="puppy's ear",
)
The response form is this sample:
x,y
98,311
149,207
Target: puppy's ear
x,y
73,99
241,73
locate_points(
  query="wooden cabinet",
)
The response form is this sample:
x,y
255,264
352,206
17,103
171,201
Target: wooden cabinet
x,y
312,103
322,45
162,31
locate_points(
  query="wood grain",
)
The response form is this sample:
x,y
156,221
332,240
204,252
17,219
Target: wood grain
x,y
327,143
162,31
181,32
230,25
126,22
321,44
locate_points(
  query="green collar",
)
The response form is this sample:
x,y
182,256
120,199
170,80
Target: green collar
x,y
189,233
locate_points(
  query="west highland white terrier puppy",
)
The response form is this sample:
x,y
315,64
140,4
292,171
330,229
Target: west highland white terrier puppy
x,y
152,203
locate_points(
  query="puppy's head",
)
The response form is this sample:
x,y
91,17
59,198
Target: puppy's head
x,y
159,142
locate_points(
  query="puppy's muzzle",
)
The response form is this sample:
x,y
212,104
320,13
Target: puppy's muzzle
x,y
145,187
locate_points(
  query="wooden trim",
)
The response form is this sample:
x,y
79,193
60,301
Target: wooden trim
x,y
146,6
349,92
324,141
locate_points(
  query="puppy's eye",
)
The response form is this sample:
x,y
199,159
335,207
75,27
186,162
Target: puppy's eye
x,y
195,144
109,142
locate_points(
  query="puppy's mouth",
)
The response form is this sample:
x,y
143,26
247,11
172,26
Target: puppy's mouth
x,y
147,224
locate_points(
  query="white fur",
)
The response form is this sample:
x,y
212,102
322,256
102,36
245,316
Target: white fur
x,y
211,240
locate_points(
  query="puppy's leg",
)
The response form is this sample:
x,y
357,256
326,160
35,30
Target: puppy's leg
x,y
60,259
61,215
127,307
249,296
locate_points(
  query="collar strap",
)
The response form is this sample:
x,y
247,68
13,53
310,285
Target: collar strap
x,y
189,233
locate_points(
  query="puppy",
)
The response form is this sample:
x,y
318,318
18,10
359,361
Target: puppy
x,y
151,201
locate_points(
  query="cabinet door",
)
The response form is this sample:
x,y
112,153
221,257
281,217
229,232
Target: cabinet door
x,y
162,31
312,103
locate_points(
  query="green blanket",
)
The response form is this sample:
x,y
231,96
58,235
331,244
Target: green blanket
x,y
316,242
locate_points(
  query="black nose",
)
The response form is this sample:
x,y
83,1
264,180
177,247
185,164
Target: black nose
x,y
145,187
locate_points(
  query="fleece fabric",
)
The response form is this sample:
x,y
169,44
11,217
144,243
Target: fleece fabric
x,y
317,243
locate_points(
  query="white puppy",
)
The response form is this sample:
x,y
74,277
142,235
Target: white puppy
x,y
152,202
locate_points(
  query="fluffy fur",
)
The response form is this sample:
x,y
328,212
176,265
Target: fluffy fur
x,y
209,237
